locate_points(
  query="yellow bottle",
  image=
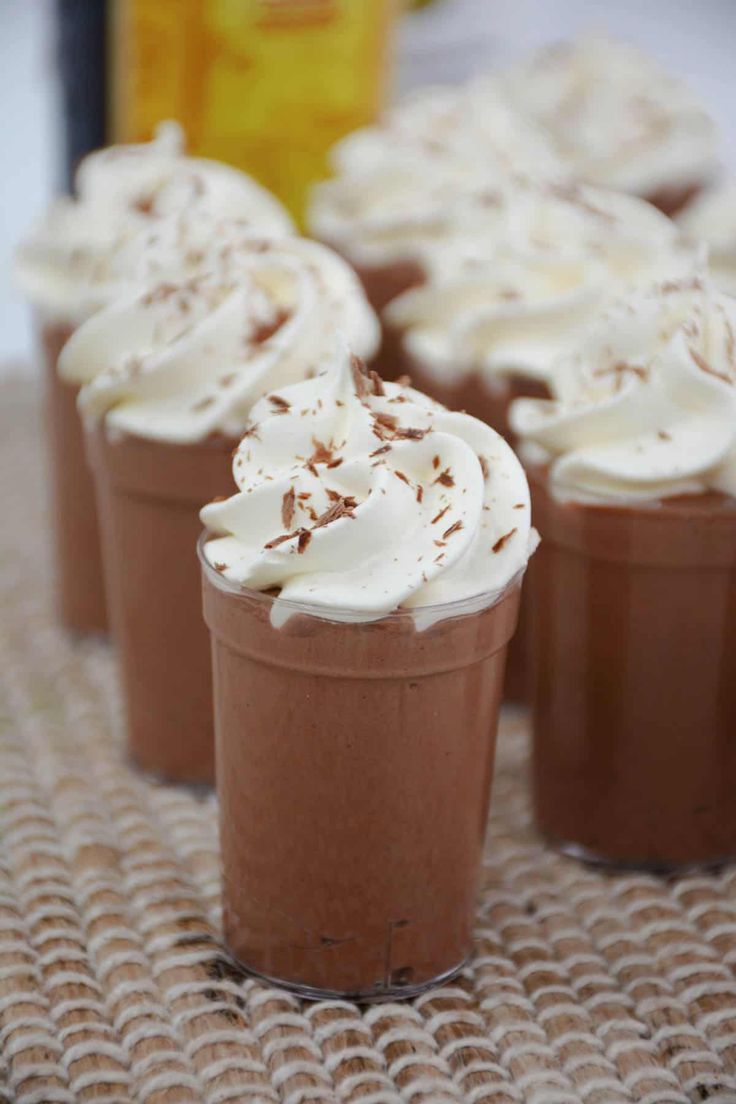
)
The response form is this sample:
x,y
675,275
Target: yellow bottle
x,y
267,85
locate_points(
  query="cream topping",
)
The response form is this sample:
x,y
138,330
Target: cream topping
x,y
615,115
85,250
513,300
434,164
186,359
360,497
645,408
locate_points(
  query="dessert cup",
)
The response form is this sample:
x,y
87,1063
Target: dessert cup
x,y
354,763
80,595
149,494
634,671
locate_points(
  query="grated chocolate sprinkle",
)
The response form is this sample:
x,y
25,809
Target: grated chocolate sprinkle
x,y
503,540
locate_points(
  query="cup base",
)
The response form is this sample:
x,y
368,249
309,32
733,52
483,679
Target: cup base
x,y
645,866
370,996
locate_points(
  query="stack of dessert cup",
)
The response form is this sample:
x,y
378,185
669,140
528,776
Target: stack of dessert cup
x,y
87,251
632,467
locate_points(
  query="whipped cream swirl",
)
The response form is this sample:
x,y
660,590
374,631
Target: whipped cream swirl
x,y
513,299
646,406
183,360
615,115
86,250
432,165
359,497
711,218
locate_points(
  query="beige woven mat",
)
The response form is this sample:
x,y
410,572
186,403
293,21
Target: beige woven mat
x,y
113,988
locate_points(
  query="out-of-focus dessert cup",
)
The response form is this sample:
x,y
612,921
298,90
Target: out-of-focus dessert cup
x,y
360,599
178,369
79,589
85,252
633,476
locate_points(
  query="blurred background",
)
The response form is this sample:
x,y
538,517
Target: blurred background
x,y
435,41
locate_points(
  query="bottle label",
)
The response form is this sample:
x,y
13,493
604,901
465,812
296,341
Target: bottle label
x,y
266,85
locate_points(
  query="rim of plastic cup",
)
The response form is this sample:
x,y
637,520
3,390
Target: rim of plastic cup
x,y
439,611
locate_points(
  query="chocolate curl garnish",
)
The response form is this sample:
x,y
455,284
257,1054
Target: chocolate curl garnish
x,y
262,331
378,388
323,454
452,529
503,540
288,505
343,506
361,378
445,478
303,537
704,366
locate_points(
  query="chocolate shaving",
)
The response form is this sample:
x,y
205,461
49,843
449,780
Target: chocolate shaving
x,y
287,507
704,366
379,451
220,567
435,462
484,466
265,330
335,463
410,434
281,404
503,540
144,204
322,454
378,388
342,507
445,478
664,435
400,475
159,294
360,378
440,515
453,529
420,492
304,538
251,431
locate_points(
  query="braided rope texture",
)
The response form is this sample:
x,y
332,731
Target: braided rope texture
x,y
585,988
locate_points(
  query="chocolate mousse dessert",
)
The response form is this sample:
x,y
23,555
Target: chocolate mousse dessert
x,y
176,371
633,474
617,118
85,252
360,589
502,305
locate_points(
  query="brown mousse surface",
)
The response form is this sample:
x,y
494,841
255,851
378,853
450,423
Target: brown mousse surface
x,y
80,592
634,708
354,766
150,494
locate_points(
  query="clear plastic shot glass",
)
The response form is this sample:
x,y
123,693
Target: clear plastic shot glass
x,y
354,765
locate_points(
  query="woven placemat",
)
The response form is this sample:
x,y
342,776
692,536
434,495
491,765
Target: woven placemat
x,y
584,987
